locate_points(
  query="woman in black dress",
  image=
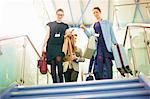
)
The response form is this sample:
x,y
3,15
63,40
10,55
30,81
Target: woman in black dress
x,y
53,41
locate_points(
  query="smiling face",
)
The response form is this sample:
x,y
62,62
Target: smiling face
x,y
59,15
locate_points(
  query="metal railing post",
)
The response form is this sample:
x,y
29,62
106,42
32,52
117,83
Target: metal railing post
x,y
147,44
133,54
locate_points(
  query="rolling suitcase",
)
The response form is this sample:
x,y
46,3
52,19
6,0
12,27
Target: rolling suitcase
x,y
121,61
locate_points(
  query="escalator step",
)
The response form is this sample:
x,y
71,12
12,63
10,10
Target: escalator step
x,y
138,94
78,84
80,90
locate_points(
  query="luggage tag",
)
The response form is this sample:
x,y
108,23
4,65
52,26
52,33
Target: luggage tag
x,y
96,34
57,34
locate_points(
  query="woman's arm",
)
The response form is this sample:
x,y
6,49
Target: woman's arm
x,y
88,33
46,38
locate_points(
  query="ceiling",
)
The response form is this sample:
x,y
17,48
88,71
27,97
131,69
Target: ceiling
x,y
76,11
80,11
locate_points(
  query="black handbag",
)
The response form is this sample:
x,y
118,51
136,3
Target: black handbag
x,y
90,77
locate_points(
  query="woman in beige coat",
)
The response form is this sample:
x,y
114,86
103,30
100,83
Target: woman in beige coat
x,y
71,68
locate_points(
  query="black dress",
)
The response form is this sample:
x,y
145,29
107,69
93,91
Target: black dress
x,y
56,40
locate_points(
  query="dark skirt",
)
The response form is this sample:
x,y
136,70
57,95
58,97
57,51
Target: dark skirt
x,y
52,51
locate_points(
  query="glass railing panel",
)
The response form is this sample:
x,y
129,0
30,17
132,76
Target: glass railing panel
x,y
142,64
147,31
18,62
29,66
10,61
137,51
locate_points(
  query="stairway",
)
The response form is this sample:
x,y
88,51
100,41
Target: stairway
x,y
135,88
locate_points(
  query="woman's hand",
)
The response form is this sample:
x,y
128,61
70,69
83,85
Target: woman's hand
x,y
90,73
68,33
43,49
73,57
82,26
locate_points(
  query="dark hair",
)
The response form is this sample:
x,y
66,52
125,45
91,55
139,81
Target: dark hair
x,y
97,8
60,10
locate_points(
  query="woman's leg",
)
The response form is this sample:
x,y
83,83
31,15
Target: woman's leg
x,y
99,63
109,65
67,75
60,67
74,76
96,75
53,71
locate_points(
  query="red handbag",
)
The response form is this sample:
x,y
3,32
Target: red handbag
x,y
42,63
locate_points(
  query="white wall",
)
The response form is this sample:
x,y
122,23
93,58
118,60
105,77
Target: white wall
x,y
18,17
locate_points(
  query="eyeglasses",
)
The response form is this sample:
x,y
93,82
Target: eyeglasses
x,y
60,14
